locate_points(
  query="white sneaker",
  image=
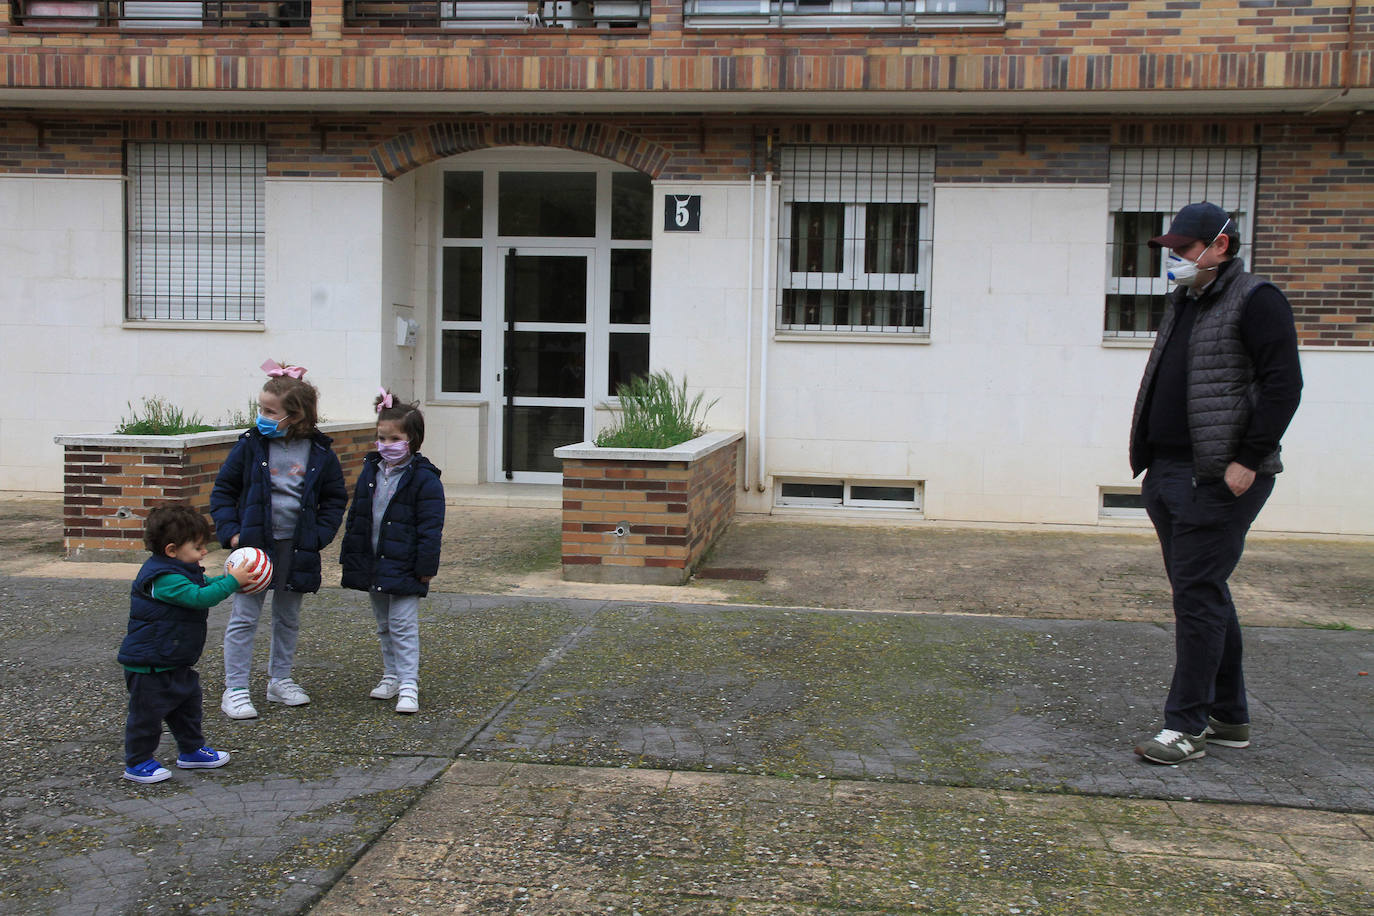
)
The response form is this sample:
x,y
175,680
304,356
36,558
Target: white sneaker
x,y
237,704
285,690
386,688
408,697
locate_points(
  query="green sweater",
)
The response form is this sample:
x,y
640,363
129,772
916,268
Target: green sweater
x,y
182,592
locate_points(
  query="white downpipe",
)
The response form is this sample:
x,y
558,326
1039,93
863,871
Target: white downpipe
x,y
767,322
749,347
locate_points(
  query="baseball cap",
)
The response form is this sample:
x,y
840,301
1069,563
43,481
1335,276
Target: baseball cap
x,y
1193,222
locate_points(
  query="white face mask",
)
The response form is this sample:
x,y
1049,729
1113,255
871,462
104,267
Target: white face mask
x,y
1185,272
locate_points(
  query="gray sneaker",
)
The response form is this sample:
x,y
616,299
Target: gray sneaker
x,y
1170,747
1226,734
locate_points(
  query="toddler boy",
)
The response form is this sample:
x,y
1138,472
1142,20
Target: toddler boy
x,y
169,604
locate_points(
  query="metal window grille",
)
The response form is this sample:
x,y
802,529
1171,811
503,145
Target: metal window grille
x,y
195,231
498,14
161,14
1148,186
933,13
854,239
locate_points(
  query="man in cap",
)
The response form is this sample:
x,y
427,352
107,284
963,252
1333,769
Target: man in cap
x,y
1220,387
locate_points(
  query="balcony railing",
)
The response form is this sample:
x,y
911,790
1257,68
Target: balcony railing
x,y
501,14
161,14
497,14
838,13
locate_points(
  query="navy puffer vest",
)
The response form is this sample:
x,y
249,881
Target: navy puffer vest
x,y
163,635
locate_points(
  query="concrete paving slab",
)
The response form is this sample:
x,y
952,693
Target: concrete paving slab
x,y
1042,705
949,753
943,853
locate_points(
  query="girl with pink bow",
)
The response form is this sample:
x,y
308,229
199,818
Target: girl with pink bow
x,y
391,543
281,489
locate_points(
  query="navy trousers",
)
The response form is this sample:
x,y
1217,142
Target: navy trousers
x,y
1202,527
173,697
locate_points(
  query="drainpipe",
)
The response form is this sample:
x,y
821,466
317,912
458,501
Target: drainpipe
x,y
749,345
1347,62
767,299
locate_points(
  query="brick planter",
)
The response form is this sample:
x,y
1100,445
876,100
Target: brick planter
x,y
646,516
111,482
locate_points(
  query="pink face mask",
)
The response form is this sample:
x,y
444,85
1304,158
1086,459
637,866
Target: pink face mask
x,y
393,452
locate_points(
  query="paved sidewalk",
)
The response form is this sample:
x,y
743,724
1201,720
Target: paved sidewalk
x,y
683,752
503,838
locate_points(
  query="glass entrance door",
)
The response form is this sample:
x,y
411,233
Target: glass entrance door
x,y
544,270
546,292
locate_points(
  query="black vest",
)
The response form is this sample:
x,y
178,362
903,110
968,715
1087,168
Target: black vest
x,y
1222,391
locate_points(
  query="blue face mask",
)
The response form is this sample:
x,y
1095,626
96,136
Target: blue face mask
x,y
270,428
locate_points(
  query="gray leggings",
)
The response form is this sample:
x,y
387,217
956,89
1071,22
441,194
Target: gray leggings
x,y
398,630
242,628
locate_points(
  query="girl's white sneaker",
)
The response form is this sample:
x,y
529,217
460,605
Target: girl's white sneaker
x,y
386,688
285,690
236,704
408,697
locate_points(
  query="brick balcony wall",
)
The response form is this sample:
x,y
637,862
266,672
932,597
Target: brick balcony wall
x,y
1079,46
643,521
109,489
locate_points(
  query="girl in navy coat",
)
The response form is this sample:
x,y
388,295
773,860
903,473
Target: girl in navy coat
x,y
280,489
391,543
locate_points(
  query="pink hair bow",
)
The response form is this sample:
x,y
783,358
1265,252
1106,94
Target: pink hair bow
x,y
277,370
386,401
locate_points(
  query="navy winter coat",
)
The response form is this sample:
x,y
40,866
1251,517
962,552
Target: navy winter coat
x,y
411,529
163,635
241,503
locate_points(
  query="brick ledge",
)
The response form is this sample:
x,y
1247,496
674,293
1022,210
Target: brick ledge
x,y
213,437
691,450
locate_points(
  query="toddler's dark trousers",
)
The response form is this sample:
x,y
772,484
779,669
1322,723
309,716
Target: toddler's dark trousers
x,y
1202,527
173,697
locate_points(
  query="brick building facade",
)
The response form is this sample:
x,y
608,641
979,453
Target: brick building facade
x,y
1079,109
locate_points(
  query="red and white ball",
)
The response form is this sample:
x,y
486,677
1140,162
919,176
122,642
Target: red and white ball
x,y
258,565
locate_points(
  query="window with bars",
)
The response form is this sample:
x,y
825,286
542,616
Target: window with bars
x,y
879,13
195,231
854,239
1148,186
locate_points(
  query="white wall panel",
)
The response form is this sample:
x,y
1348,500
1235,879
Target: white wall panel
x,y
1020,412
63,343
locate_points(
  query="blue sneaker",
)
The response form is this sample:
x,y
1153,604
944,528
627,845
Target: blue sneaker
x,y
207,758
147,771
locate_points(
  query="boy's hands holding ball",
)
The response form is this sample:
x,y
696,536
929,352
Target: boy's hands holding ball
x,y
241,570
251,568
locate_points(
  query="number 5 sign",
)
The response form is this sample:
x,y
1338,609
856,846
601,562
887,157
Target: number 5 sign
x,y
682,213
